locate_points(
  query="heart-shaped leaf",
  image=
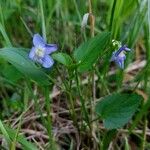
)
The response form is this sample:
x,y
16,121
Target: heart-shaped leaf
x,y
117,109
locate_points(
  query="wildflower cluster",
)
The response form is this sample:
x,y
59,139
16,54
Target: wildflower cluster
x,y
41,50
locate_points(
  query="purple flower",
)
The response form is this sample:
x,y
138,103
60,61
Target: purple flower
x,y
40,51
119,56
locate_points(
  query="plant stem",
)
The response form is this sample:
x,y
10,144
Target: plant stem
x,y
92,19
37,104
42,19
49,118
92,23
14,142
80,18
112,15
85,113
102,81
69,91
144,133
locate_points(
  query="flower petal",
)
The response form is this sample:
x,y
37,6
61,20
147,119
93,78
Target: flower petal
x,y
47,61
38,40
127,49
50,48
113,57
120,64
120,61
119,51
32,53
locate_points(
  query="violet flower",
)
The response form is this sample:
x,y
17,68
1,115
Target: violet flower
x,y
41,50
119,56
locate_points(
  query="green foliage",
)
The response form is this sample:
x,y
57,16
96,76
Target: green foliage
x,y
19,59
107,138
143,111
5,133
10,135
63,58
60,22
117,109
3,32
136,24
21,139
11,73
88,53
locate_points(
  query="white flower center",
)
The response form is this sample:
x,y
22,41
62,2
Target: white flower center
x,y
40,52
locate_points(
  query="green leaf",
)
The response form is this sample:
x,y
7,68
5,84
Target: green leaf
x,y
11,73
87,54
21,139
107,138
117,109
143,111
19,59
5,133
3,32
127,145
63,59
136,24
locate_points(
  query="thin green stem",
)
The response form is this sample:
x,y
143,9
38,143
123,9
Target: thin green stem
x,y
144,134
5,133
112,15
69,91
49,118
26,26
73,113
77,10
102,81
2,15
14,142
5,36
42,19
48,122
84,110
37,105
80,17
